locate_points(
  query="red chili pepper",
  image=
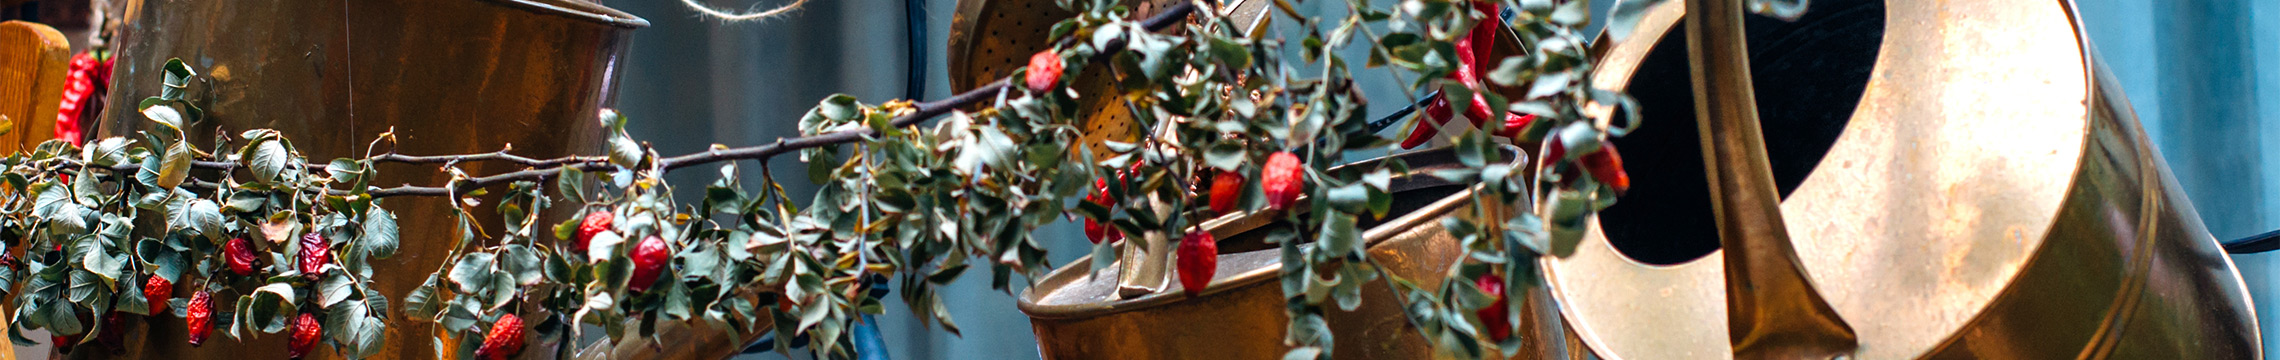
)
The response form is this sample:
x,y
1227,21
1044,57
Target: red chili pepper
x,y
239,254
504,341
315,253
157,290
1198,261
1472,50
1607,166
1514,123
201,317
594,224
1044,71
1553,152
1225,189
648,261
1282,180
1493,317
306,332
1094,229
84,84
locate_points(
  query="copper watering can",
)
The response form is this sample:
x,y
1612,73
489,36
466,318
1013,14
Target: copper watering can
x,y
448,76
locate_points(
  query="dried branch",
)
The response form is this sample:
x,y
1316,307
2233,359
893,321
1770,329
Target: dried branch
x,y
543,169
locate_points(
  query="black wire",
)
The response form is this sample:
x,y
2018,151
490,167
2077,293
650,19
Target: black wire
x,y
2254,243
1395,118
914,12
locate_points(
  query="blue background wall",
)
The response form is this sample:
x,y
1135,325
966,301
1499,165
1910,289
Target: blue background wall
x,y
2204,76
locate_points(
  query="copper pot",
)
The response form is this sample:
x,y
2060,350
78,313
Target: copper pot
x,y
449,76
1077,313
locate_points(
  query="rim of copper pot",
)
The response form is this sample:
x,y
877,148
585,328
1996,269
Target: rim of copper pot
x,y
1229,225
579,10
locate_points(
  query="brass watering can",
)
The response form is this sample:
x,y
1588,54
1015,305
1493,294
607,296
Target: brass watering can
x,y
1930,180
1985,192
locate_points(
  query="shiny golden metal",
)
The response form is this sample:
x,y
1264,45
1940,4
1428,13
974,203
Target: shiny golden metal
x,y
1077,313
1990,196
1772,309
449,76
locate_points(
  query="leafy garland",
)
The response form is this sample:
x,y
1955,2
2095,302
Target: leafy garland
x,y
915,204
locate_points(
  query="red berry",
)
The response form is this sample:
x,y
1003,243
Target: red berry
x,y
64,343
1094,229
1226,188
1198,261
1044,71
306,332
157,290
595,223
1282,180
1553,152
201,316
315,253
1493,317
239,253
504,341
648,259
1607,166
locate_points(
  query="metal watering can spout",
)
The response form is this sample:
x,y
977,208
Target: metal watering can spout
x,y
1772,309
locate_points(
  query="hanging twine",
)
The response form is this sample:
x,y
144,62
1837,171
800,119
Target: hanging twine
x,y
730,16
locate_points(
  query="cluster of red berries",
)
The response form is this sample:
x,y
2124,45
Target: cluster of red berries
x,y
649,256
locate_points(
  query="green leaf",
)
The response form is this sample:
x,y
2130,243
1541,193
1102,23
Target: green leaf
x,y
268,160
522,264
370,332
165,115
380,232
105,152
177,76
344,317
1230,52
1350,198
839,107
422,303
176,167
207,218
334,289
282,291
1225,156
104,265
472,273
624,152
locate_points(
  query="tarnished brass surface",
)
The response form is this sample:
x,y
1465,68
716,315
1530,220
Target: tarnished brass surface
x,y
1991,197
34,60
1772,309
450,76
1077,314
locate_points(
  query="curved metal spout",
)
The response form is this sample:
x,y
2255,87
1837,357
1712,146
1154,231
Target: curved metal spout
x,y
1772,308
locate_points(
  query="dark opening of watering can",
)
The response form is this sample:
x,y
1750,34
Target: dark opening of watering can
x,y
1809,75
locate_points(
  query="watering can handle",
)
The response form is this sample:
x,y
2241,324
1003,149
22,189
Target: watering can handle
x,y
1772,308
